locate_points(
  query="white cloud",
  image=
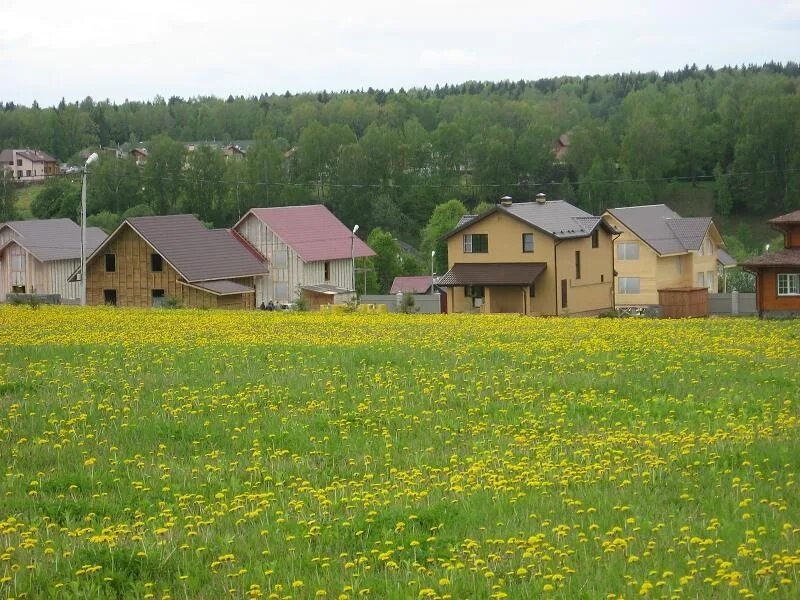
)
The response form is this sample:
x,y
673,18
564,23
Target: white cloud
x,y
143,48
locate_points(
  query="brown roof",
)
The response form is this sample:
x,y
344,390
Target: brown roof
x,y
787,219
492,274
222,287
790,257
197,253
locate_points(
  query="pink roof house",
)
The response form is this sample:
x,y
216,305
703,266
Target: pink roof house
x,y
308,249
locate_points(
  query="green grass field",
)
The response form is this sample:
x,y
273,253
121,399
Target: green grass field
x,y
205,454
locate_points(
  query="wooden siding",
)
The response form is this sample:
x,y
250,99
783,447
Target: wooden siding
x,y
793,237
287,271
134,282
767,292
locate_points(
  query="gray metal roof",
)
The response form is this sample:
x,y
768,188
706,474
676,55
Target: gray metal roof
x,y
662,228
54,239
197,253
558,218
725,259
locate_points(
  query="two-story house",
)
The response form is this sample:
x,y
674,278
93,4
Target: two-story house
x,y
310,252
534,258
778,273
148,261
28,165
38,256
659,249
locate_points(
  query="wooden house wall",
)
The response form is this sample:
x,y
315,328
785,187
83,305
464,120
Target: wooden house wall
x,y
133,280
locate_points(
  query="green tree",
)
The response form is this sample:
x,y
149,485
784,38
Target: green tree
x,y
723,202
114,185
204,188
444,218
386,261
162,176
60,198
105,220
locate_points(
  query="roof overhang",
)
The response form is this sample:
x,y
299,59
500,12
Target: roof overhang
x,y
499,274
223,287
328,290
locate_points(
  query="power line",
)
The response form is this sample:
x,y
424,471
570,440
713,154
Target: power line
x,y
388,185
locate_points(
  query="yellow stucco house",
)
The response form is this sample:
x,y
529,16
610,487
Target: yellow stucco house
x,y
658,249
533,258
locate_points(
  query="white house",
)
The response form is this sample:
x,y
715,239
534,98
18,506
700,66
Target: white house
x,y
309,251
39,256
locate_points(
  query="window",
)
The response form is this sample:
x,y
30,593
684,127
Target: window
x,y
788,284
158,297
111,263
628,285
527,242
628,251
711,281
19,174
110,297
476,292
19,162
17,289
596,238
28,173
476,242
156,262
563,293
327,270
577,264
701,279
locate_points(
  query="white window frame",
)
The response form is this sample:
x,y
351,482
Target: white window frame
x,y
700,279
788,284
625,285
533,244
625,251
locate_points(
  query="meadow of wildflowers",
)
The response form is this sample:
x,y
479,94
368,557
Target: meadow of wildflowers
x,y
204,454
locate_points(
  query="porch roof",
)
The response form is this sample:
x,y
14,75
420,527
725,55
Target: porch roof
x,y
492,274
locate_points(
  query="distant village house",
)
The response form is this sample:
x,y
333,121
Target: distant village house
x,y
28,165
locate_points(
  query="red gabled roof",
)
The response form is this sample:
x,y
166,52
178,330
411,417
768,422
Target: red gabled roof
x,y
312,231
411,284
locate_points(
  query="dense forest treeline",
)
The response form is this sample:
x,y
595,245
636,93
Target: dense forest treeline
x,y
386,159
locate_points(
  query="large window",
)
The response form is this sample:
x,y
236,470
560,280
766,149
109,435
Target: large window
x,y
628,251
527,242
628,285
788,284
476,242
111,263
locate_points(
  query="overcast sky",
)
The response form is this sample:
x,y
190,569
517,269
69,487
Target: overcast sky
x,y
140,48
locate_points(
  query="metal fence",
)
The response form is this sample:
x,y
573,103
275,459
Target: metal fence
x,y
423,303
735,303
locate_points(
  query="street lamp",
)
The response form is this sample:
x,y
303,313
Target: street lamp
x,y
92,158
433,253
353,255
